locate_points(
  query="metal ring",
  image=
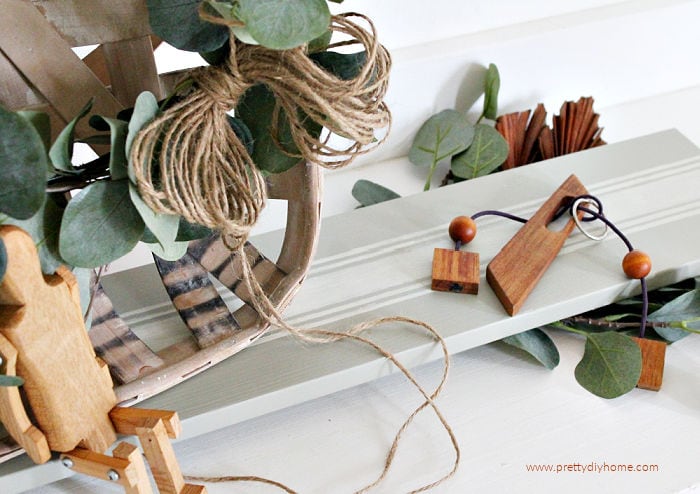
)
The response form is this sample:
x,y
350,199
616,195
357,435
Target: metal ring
x,y
577,220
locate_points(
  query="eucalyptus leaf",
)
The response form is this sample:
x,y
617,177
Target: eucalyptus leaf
x,y
145,111
23,166
163,226
191,231
683,308
368,193
538,344
321,43
43,227
487,152
218,56
10,381
84,277
61,152
243,133
179,24
171,252
284,24
100,224
274,149
3,260
346,66
611,364
441,136
492,85
99,139
41,122
117,155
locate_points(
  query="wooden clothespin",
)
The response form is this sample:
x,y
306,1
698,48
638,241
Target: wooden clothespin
x,y
517,268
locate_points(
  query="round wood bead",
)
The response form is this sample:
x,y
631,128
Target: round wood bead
x,y
636,264
462,229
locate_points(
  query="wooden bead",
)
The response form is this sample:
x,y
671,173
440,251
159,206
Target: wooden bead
x,y
636,264
462,229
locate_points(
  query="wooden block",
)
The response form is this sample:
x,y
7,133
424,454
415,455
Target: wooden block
x,y
99,466
455,271
127,420
516,269
653,359
44,323
133,455
161,457
193,489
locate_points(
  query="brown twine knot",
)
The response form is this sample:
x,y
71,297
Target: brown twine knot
x,y
190,162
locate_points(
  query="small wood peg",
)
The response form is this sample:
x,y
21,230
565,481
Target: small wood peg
x,y
653,358
455,271
517,268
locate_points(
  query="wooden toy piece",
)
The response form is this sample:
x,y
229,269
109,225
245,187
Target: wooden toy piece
x,y
114,469
69,390
12,413
653,359
133,455
455,271
42,320
517,268
161,457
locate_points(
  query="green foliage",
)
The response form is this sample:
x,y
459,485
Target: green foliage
x,y
538,344
61,152
492,85
100,224
611,364
487,152
474,150
441,136
163,227
117,155
191,231
179,24
682,314
284,24
274,150
346,66
23,166
368,193
43,227
41,123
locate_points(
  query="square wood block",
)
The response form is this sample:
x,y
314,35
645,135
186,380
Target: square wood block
x,y
653,359
455,271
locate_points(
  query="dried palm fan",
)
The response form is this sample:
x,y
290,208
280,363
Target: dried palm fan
x,y
530,139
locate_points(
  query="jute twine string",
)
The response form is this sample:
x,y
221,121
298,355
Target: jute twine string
x,y
189,162
204,173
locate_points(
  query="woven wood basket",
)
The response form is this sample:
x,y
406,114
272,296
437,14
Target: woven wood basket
x,y
40,71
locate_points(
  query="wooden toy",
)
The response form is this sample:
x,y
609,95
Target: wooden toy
x,y
68,389
517,268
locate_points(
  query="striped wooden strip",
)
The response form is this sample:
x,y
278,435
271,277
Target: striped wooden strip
x,y
196,299
126,355
216,258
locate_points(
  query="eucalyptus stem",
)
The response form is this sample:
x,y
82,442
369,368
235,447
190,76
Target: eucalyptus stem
x,y
614,324
430,176
561,325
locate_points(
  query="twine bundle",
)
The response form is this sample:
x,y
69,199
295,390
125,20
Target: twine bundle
x,y
205,174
